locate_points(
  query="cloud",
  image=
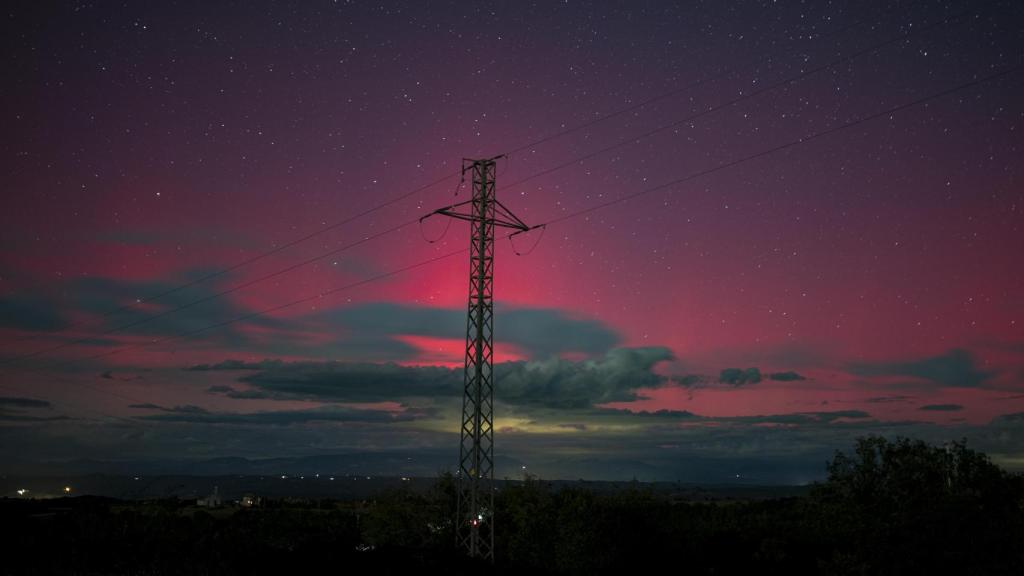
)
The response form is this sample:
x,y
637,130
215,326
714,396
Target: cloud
x,y
32,312
186,409
590,443
942,407
252,395
798,417
368,332
17,417
18,402
554,382
790,418
197,306
663,413
954,368
546,331
351,381
558,383
338,414
788,376
648,448
739,377
539,332
13,409
837,414
109,375
236,365
888,399
736,377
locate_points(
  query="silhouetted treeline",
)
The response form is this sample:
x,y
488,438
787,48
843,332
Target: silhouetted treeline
x,y
888,507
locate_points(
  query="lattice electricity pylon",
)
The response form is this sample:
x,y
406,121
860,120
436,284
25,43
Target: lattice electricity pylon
x,y
474,526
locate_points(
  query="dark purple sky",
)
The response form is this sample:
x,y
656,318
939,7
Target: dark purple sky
x,y
749,320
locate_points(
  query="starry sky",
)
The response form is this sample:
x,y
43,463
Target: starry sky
x,y
209,243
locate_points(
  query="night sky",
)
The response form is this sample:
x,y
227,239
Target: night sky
x,y
796,266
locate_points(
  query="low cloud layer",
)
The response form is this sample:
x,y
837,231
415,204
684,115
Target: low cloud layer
x,y
335,414
370,332
20,409
789,376
795,418
553,383
941,408
345,381
954,368
558,383
801,417
539,332
29,312
739,376
18,402
897,398
195,307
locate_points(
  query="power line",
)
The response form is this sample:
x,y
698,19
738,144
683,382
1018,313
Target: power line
x,y
621,199
695,84
401,197
270,310
255,258
559,219
787,145
259,313
745,97
691,118
214,296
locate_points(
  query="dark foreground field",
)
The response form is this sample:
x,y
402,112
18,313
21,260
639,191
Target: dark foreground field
x,y
887,508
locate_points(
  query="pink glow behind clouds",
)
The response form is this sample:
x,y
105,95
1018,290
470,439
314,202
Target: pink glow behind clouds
x,y
900,241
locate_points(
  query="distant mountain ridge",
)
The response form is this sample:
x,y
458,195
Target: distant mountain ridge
x,y
371,463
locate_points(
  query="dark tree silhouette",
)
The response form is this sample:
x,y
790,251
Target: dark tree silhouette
x,y
905,507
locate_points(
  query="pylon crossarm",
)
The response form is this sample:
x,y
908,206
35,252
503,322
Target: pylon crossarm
x,y
503,223
509,216
528,229
446,211
507,224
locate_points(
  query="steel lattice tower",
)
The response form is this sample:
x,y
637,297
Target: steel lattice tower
x,y
474,529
